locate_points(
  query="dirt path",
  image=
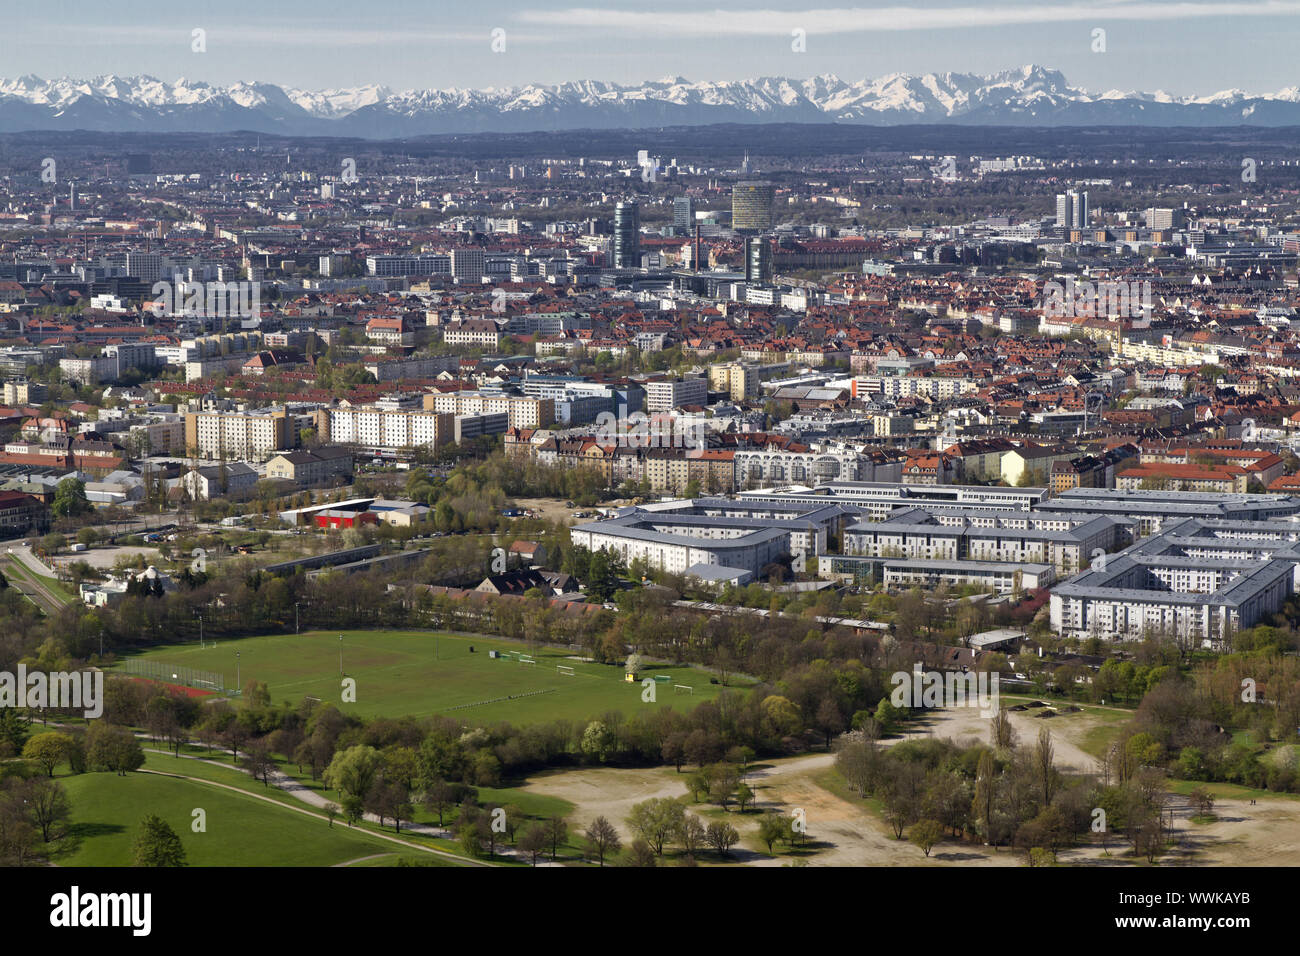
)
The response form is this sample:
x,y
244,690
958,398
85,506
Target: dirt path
x,y
845,833
362,859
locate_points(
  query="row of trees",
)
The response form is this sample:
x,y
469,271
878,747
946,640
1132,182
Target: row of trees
x,y
1003,794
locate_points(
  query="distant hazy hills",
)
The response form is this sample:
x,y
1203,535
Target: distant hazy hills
x,y
1029,96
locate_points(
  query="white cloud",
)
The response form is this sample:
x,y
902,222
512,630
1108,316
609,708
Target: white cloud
x,y
737,22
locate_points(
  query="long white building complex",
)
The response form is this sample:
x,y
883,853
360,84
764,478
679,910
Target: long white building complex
x,y
1199,581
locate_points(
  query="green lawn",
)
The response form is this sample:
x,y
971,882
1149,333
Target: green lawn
x,y
1227,791
419,673
230,775
241,831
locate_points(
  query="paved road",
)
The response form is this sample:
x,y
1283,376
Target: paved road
x,y
40,594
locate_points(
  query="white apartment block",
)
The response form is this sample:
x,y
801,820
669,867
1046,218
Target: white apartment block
x,y
934,387
248,436
677,543
663,395
523,412
473,332
1198,581
393,430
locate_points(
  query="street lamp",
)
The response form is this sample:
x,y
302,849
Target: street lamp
x,y
238,683
340,654
295,617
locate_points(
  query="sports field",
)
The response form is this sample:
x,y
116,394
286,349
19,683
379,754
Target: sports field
x,y
401,673
241,830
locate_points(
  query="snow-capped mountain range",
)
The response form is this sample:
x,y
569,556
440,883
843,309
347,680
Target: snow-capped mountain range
x,y
1028,96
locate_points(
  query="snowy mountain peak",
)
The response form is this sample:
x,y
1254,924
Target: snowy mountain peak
x,y
1027,95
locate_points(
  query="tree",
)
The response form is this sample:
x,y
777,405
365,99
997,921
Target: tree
x,y
259,762
47,803
557,831
331,813
985,796
830,721
640,853
692,833
602,838
900,800
1002,733
1046,773
674,750
70,499
744,797
925,834
656,820
48,750
354,809
888,716
438,798
532,840
353,771
113,748
1202,800
471,836
771,828
13,731
598,740
157,844
387,799
722,836
723,780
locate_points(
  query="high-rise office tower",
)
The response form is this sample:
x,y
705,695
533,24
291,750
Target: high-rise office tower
x,y
1079,209
467,265
1164,218
758,259
751,206
1072,210
1063,220
683,215
627,236
145,266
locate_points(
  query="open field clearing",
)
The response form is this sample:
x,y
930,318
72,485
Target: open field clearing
x,y
241,829
421,673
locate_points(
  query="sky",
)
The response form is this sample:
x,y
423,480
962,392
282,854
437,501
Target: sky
x,y
1179,46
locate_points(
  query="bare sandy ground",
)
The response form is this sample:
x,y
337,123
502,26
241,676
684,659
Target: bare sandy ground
x,y
847,833
966,726
607,792
550,509
1267,834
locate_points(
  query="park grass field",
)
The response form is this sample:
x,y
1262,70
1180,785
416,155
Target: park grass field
x,y
400,673
241,830
218,768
